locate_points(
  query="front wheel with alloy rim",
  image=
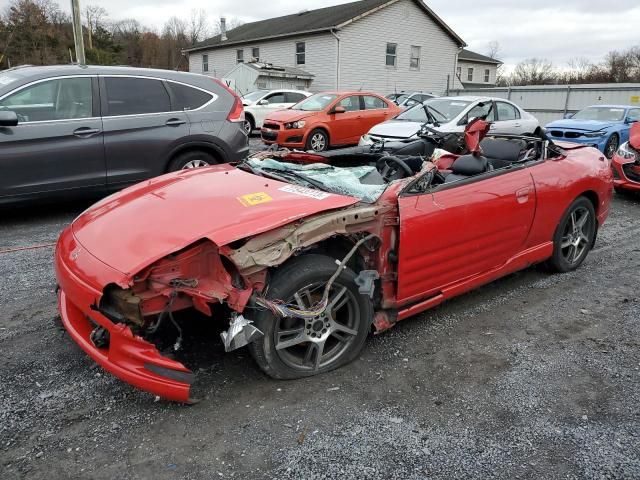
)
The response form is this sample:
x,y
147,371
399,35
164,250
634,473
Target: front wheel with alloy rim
x,y
192,159
574,236
318,141
612,146
295,347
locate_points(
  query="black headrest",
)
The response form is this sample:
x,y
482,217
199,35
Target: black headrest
x,y
503,148
469,165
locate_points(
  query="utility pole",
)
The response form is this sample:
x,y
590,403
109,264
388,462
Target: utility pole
x,y
77,32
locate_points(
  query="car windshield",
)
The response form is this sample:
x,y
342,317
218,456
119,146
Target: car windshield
x,y
443,110
602,114
316,102
253,96
316,178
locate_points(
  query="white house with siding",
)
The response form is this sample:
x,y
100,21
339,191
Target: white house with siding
x,y
476,70
375,45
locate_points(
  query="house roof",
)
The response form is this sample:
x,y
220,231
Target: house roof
x,y
311,21
469,56
270,70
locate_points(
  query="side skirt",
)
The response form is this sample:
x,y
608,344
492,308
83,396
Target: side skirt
x,y
519,262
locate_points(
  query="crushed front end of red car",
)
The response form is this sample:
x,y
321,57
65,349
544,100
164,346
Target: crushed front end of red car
x,y
626,162
118,282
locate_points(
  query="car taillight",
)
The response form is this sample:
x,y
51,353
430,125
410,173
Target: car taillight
x,y
236,114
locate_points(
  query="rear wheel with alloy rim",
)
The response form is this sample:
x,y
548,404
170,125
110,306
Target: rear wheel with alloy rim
x,y
574,236
318,141
612,146
295,347
191,159
248,126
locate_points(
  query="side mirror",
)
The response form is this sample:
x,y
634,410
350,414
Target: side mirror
x,y
338,109
8,119
464,120
263,102
630,120
568,115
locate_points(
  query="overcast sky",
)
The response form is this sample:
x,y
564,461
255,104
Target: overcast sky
x,y
555,29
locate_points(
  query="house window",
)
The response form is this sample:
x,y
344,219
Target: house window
x,y
459,72
240,56
470,74
255,53
205,63
392,49
300,53
414,61
487,74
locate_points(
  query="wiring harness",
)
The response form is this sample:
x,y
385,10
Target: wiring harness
x,y
283,310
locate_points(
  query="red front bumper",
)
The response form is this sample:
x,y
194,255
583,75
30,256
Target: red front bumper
x,y
626,174
128,356
290,138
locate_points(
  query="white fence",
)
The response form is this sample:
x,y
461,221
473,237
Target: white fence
x,y
551,102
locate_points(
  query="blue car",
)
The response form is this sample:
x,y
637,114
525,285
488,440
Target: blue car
x,y
604,127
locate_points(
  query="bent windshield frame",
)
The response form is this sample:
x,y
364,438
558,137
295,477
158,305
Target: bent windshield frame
x,y
443,110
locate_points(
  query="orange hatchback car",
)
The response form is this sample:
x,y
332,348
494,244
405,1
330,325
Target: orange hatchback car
x,y
327,119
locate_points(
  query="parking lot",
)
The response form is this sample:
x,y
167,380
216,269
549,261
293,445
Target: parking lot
x,y
532,376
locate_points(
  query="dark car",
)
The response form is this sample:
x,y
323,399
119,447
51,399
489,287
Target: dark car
x,y
77,129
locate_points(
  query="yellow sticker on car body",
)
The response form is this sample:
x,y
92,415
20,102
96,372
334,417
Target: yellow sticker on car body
x,y
252,199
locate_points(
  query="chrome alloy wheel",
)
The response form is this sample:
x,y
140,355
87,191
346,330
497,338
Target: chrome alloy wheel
x,y
309,344
194,164
318,142
576,235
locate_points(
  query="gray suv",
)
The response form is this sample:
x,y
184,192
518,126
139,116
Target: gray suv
x,y
73,129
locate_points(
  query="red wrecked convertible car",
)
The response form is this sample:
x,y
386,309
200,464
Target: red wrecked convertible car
x,y
626,163
302,255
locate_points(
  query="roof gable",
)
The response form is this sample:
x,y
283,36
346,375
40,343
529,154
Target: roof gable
x,y
469,56
311,21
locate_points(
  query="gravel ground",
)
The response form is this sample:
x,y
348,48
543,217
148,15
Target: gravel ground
x,y
532,376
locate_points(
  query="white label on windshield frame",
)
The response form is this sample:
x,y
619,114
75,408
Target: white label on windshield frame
x,y
305,192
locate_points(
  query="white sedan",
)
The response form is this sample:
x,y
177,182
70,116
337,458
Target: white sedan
x,y
259,104
451,114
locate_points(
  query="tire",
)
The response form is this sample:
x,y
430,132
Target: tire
x,y
612,146
337,339
191,159
318,141
571,245
249,125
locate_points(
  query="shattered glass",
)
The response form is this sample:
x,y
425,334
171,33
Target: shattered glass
x,y
340,180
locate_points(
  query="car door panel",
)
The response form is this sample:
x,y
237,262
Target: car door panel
x,y
508,120
462,230
346,126
56,152
375,111
136,141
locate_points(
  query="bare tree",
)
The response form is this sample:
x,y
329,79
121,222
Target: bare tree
x,y
493,48
533,71
197,28
94,16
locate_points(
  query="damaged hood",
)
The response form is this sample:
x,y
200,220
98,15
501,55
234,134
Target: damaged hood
x,y
139,225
